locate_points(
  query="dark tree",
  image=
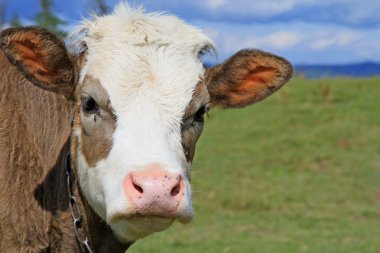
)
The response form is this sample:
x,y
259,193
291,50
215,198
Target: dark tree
x,y
102,7
48,19
15,21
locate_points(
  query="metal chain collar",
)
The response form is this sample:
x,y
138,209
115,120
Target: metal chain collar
x,y
74,208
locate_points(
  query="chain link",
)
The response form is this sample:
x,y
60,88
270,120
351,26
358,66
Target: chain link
x,y
74,208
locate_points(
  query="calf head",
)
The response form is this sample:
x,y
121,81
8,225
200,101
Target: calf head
x,y
140,91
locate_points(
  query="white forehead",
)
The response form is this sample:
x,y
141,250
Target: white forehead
x,y
132,53
136,27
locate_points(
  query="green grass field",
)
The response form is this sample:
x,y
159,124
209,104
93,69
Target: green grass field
x,y
298,172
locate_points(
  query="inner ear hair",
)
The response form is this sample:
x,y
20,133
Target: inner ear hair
x,y
247,77
41,57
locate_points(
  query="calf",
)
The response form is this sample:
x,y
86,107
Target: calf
x,y
111,126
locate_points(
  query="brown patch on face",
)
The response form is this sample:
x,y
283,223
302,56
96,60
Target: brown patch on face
x,y
94,88
96,128
247,77
200,98
191,130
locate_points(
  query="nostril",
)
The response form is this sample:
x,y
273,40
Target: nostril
x,y
137,187
176,190
141,187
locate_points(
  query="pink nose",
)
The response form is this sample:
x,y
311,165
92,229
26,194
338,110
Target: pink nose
x,y
154,191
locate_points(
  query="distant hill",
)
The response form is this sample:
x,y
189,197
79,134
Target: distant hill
x,y
364,69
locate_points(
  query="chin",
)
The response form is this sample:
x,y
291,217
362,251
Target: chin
x,y
133,225
137,227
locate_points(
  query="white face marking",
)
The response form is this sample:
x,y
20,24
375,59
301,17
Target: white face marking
x,y
149,66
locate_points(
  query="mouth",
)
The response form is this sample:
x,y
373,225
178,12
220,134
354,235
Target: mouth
x,y
140,222
135,227
132,217
150,223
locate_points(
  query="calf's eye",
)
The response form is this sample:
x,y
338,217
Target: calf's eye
x,y
89,105
199,115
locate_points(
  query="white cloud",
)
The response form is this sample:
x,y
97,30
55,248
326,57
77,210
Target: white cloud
x,y
252,7
345,12
278,40
283,40
212,32
264,8
298,41
340,39
215,4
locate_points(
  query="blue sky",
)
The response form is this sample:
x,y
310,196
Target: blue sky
x,y
304,31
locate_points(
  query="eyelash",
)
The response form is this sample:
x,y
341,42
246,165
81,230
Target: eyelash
x,y
198,117
89,105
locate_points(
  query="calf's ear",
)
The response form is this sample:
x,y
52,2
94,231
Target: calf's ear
x,y
247,77
41,57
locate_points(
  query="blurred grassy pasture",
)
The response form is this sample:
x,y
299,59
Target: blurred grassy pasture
x,y
298,172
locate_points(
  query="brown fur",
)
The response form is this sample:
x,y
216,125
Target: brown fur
x,y
27,155
247,77
191,134
34,141
42,58
96,135
200,98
